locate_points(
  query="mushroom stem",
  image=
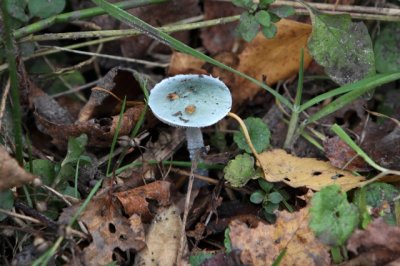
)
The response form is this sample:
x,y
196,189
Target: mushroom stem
x,y
195,142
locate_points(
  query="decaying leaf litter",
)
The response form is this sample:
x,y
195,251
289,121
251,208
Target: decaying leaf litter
x,y
309,177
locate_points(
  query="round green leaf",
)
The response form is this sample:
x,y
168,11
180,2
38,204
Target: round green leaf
x,y
332,217
45,8
263,18
265,185
270,207
387,49
275,197
6,202
257,197
270,31
240,170
283,11
259,135
248,27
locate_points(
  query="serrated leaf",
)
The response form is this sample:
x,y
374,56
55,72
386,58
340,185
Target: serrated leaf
x,y
263,18
6,202
240,170
275,197
342,47
332,217
387,49
257,197
248,27
259,135
283,11
270,31
45,8
266,186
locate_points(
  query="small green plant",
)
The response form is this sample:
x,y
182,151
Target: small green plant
x,y
270,197
258,16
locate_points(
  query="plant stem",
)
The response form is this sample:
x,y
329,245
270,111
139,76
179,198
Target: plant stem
x,y
173,163
117,34
336,255
291,136
127,32
15,94
75,15
356,12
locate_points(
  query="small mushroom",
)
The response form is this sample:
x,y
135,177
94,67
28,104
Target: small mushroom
x,y
192,102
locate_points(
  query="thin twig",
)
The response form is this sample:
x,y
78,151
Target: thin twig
x,y
113,57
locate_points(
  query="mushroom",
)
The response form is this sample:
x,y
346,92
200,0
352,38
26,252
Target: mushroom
x,y
192,102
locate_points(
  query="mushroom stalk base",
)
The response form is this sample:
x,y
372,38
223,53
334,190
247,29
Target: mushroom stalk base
x,y
195,143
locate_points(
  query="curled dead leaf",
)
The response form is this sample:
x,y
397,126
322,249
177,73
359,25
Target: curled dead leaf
x,y
11,174
110,230
305,172
118,82
99,131
137,200
263,244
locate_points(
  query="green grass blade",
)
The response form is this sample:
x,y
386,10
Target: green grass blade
x,y
348,98
174,43
346,138
370,82
115,138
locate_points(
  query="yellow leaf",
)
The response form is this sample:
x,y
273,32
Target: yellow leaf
x,y
276,59
263,244
279,166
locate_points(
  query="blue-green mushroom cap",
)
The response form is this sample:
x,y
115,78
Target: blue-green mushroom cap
x,y
190,100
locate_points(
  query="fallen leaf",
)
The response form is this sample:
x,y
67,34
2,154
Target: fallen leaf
x,y
137,200
276,59
379,239
110,230
11,174
99,131
121,82
342,156
162,239
181,63
305,172
263,244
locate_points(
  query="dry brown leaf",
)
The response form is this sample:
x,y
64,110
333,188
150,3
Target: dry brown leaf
x,y
121,82
181,63
379,244
162,239
277,58
263,244
305,172
110,230
136,201
99,131
342,156
11,174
